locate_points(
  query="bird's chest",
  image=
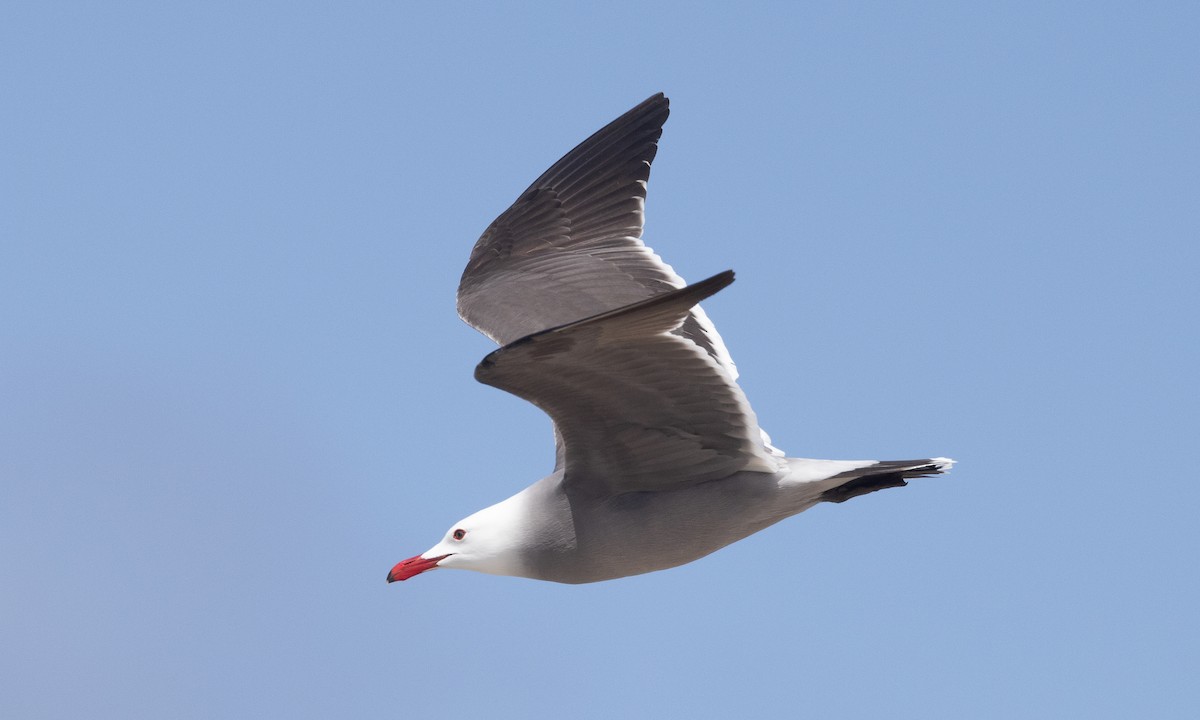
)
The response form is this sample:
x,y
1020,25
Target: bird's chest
x,y
636,533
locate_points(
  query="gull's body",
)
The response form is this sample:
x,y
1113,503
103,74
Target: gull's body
x,y
660,459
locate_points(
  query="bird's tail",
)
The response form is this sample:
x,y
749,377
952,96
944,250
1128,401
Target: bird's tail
x,y
882,475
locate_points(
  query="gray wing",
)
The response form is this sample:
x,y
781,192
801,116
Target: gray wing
x,y
570,246
637,406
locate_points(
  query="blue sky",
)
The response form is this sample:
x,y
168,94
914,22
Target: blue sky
x,y
234,391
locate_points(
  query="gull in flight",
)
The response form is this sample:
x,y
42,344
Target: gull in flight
x,y
659,457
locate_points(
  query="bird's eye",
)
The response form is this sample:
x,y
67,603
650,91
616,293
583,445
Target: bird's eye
x,y
459,534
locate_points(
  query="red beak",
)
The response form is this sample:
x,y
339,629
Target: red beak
x,y
413,566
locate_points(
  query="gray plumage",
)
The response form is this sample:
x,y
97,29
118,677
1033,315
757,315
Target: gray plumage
x,y
659,457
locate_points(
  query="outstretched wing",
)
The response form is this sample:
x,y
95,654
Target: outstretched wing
x,y
637,405
570,247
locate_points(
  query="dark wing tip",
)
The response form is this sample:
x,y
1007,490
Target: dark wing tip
x,y
657,98
714,284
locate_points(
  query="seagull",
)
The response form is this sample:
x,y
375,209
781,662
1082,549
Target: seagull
x,y
659,459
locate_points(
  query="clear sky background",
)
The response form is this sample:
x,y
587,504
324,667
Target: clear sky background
x,y
234,390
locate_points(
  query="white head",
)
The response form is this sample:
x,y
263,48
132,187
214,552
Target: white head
x,y
489,541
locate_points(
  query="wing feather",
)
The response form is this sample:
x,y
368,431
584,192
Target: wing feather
x,y
636,406
570,246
